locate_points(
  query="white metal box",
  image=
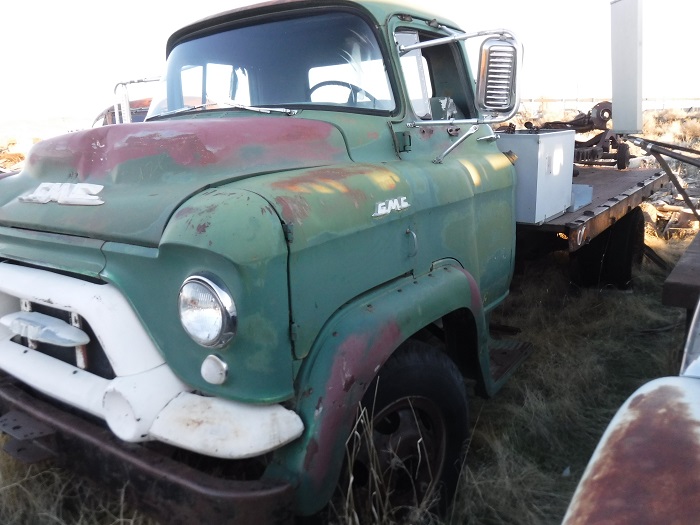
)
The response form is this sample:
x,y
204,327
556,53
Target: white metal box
x,y
544,170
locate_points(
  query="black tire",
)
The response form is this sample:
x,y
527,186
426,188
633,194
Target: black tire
x,y
610,258
623,156
419,415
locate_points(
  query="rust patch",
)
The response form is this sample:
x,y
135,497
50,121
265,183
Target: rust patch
x,y
476,301
294,209
649,470
356,363
311,451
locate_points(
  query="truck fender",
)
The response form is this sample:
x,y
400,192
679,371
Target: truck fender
x,y
346,357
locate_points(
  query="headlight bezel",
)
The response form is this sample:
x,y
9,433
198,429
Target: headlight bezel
x,y
226,307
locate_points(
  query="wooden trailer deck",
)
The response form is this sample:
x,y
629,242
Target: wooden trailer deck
x,y
615,193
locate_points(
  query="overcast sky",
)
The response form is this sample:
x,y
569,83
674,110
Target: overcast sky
x,y
63,58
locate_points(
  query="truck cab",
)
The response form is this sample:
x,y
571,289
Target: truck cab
x,y
314,219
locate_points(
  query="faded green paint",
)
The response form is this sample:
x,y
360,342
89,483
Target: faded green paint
x,y
337,240
356,341
235,236
50,250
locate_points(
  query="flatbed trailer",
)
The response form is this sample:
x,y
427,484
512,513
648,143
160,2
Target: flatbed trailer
x,y
615,194
604,237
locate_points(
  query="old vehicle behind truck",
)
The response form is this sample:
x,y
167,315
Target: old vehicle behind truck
x,y
195,307
643,470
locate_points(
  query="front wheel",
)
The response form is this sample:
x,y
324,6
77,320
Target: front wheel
x,y
416,413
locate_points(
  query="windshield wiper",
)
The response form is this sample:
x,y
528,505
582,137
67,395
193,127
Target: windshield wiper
x,y
256,109
286,111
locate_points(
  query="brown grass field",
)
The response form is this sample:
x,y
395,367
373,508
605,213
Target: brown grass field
x,y
531,442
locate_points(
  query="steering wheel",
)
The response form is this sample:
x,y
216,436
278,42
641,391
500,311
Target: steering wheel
x,y
354,90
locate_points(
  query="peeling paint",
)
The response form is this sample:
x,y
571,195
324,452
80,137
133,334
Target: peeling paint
x,y
355,365
180,158
294,209
185,212
311,451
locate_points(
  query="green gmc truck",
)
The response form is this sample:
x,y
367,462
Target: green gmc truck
x,y
314,222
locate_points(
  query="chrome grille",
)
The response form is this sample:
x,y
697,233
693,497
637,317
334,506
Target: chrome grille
x,y
90,357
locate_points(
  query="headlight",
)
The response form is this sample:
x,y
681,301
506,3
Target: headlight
x,y
207,312
691,352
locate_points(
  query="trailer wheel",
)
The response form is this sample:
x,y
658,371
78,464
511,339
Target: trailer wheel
x,y
416,412
623,156
609,259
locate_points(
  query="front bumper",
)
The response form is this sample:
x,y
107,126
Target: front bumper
x,y
166,489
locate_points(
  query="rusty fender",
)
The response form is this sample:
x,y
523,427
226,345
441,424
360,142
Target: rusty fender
x,y
646,468
346,357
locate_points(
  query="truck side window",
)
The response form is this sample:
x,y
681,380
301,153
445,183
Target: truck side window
x,y
415,72
434,79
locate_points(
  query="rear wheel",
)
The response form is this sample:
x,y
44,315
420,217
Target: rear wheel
x,y
408,448
609,259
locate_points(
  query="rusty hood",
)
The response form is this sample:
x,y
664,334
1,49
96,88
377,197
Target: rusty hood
x,y
122,183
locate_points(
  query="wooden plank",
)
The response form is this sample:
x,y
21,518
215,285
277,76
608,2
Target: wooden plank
x,y
682,286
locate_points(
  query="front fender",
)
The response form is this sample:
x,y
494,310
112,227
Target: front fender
x,y
345,358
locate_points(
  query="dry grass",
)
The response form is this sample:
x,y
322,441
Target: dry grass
x,y
42,495
531,443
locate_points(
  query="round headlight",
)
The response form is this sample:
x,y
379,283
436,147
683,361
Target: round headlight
x,y
207,312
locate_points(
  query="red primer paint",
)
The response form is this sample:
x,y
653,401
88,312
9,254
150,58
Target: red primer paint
x,y
238,143
357,360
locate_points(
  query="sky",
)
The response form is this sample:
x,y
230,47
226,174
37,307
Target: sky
x,y
63,59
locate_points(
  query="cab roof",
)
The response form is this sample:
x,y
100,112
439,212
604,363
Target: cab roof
x,y
379,10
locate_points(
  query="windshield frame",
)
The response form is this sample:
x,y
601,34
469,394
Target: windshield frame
x,y
377,46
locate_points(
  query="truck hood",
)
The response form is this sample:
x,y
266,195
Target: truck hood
x,y
122,183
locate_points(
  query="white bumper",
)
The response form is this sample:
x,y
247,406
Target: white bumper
x,y
145,401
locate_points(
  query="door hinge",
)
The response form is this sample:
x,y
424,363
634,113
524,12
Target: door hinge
x,y
402,140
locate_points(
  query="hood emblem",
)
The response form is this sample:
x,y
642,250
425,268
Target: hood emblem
x,y
387,206
80,194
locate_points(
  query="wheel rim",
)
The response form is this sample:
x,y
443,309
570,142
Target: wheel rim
x,y
407,451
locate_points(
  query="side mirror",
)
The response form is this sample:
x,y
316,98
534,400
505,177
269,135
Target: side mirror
x,y
497,87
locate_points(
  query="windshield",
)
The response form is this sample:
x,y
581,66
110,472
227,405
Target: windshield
x,y
323,60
